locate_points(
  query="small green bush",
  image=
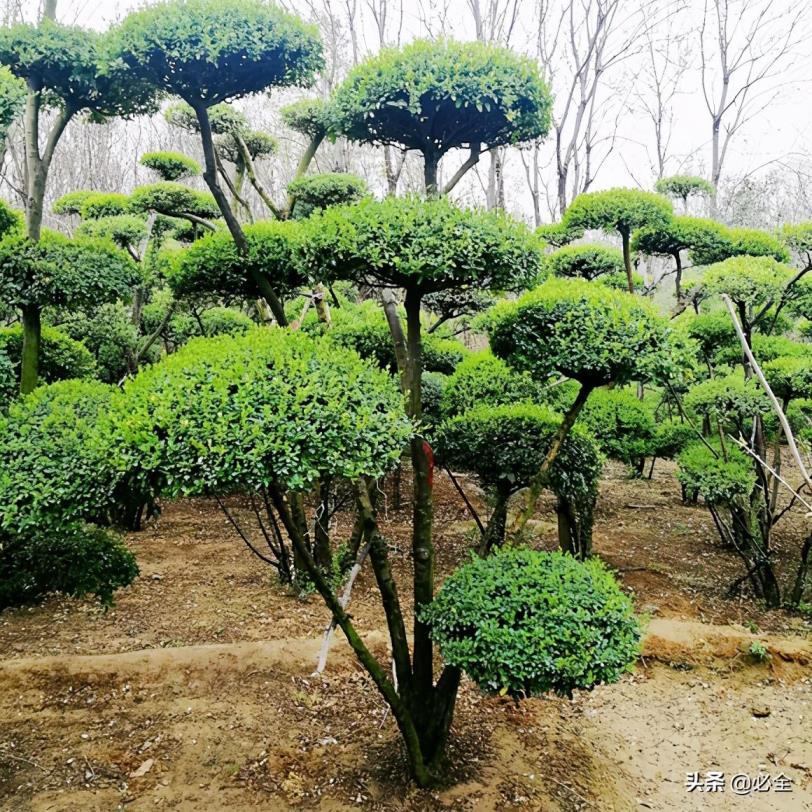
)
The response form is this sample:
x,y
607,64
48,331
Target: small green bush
x,y
60,357
585,261
622,424
799,414
523,623
730,399
170,166
671,438
708,474
483,379
75,560
104,204
314,192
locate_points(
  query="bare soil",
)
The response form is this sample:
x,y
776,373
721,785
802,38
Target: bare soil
x,y
195,691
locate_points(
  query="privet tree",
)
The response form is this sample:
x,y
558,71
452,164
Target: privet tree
x,y
505,445
256,47
741,490
683,187
680,234
170,166
585,262
67,70
621,211
419,248
591,334
60,272
433,97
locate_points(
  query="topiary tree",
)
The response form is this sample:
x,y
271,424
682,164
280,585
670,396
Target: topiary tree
x,y
622,424
61,272
505,445
176,200
559,234
621,211
585,261
524,623
436,96
215,264
170,166
482,378
734,242
591,334
256,47
680,234
57,476
314,192
681,187
420,247
67,70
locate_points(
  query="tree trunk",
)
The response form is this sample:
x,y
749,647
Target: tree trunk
x,y
627,258
494,535
574,532
678,277
32,337
539,481
431,162
423,509
210,176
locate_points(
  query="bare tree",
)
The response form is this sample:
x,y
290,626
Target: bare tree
x,y
745,47
665,63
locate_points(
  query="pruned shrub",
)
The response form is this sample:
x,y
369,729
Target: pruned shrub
x,y
525,623
61,356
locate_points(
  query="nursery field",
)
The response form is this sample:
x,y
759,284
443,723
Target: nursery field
x,y
195,690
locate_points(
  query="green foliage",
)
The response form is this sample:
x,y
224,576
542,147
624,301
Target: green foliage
x,y
585,261
210,51
259,145
790,377
434,96
705,472
214,264
63,272
104,204
420,245
670,438
483,379
364,329
223,118
9,385
797,237
758,651
799,414
712,331
800,298
313,192
680,234
60,357
559,234
110,336
174,200
72,202
735,242
76,560
77,69
583,331
684,186
621,423
170,166
125,230
749,281
620,210
10,220
523,623
12,101
432,387
310,117
212,322
56,466
731,399
505,446
273,406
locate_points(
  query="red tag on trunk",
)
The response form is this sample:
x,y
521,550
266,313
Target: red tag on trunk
x,y
430,458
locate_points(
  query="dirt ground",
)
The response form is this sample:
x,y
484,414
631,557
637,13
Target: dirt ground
x,y
195,691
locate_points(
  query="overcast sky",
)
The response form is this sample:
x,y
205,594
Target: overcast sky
x,y
780,134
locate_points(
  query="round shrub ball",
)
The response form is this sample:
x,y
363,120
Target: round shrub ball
x,y
523,623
